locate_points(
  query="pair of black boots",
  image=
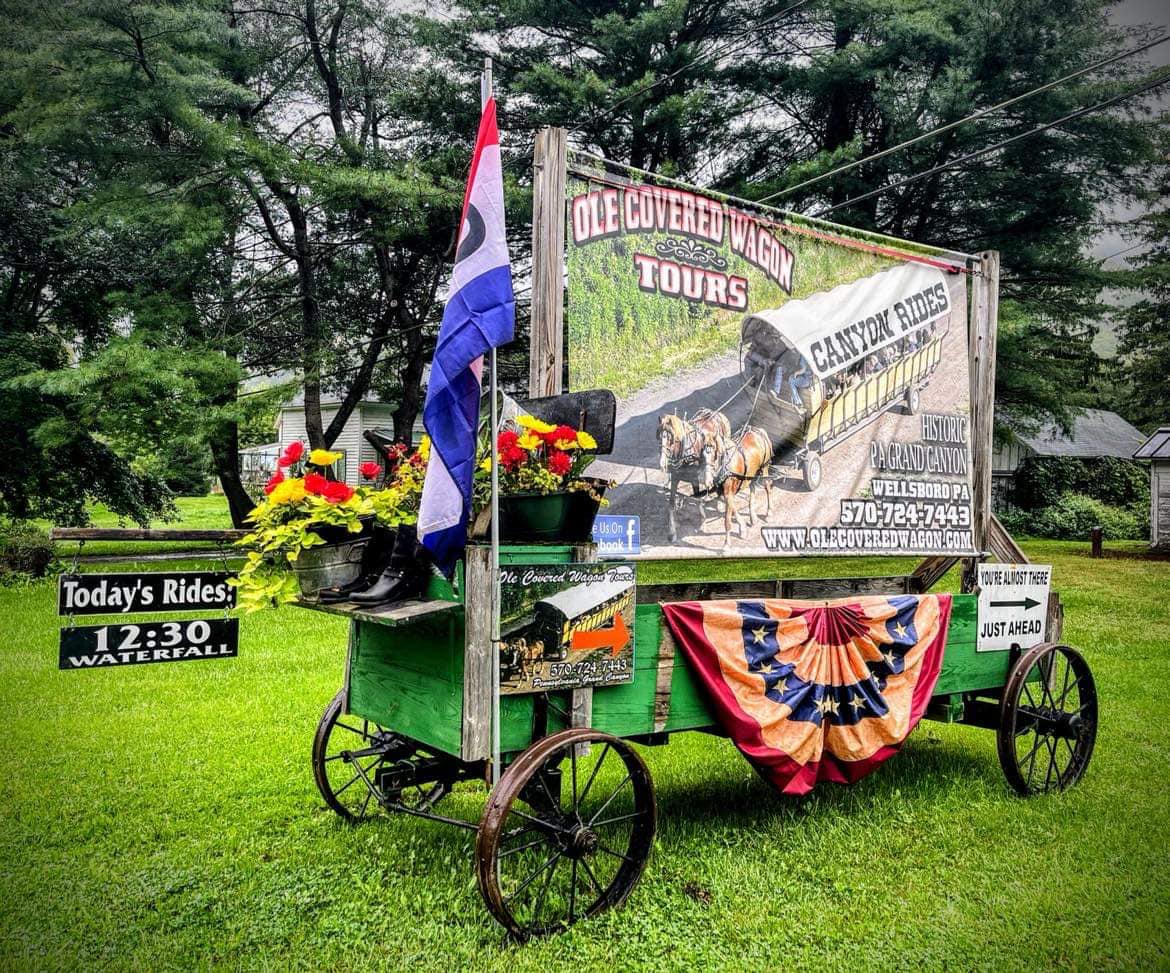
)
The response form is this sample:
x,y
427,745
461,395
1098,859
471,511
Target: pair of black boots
x,y
395,567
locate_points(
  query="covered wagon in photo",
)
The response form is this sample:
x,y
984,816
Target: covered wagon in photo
x,y
823,367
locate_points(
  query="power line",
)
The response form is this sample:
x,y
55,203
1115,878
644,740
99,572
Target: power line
x,y
720,52
969,118
1109,102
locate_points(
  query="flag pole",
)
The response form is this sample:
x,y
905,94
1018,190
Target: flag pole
x,y
485,92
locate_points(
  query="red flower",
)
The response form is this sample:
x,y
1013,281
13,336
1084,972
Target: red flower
x,y
315,483
507,440
562,433
512,456
276,479
370,470
335,491
559,463
292,452
416,459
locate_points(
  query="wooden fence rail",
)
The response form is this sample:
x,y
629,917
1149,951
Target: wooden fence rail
x,y
139,534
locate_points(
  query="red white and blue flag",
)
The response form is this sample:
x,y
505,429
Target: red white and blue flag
x,y
815,690
480,315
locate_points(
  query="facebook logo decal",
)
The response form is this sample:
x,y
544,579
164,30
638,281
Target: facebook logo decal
x,y
616,535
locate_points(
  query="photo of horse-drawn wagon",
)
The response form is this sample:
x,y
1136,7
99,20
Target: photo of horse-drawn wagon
x,y
533,641
809,376
809,397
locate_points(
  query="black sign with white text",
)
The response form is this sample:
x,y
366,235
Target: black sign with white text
x,y
103,646
120,594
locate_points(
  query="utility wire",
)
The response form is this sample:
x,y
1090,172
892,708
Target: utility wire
x,y
1107,103
719,52
969,118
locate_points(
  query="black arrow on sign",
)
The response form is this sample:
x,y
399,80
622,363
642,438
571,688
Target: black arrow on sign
x,y
1026,604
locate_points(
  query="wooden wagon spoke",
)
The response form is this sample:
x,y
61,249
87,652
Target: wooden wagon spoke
x,y
610,851
573,765
593,878
620,817
528,881
616,791
593,773
538,909
520,848
539,822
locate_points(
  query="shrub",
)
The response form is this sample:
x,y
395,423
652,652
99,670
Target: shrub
x,y
25,552
1073,516
1041,481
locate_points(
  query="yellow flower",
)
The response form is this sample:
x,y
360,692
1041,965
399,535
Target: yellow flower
x,y
528,441
486,464
323,457
424,447
585,441
288,491
531,422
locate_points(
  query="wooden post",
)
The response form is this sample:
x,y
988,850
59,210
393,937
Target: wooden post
x,y
477,653
984,325
546,355
1096,536
581,700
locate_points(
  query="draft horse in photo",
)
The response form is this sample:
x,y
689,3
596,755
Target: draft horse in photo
x,y
682,442
730,466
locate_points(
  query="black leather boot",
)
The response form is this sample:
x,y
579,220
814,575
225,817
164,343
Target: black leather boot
x,y
374,560
404,577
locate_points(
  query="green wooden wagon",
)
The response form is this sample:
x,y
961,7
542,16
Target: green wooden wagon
x,y
568,828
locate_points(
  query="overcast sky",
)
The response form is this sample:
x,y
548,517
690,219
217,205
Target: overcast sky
x,y
1135,13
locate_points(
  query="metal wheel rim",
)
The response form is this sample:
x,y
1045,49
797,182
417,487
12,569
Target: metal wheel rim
x,y
507,890
812,474
1048,725
345,792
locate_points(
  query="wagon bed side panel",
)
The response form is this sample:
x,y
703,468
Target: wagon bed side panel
x,y
965,670
410,680
629,709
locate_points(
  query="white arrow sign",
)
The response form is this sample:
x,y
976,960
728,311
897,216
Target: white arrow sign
x,y
1013,605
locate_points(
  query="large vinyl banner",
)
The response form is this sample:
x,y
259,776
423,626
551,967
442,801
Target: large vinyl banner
x,y
781,389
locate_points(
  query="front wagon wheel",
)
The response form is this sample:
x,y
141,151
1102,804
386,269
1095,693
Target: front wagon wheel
x,y
343,763
564,835
1048,720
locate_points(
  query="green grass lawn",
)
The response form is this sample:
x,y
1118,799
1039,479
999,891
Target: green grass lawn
x,y
165,816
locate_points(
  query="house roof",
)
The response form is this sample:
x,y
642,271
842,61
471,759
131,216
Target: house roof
x,y
1156,447
1096,432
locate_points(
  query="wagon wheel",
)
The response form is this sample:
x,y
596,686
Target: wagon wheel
x,y
349,752
1048,720
810,468
913,400
565,836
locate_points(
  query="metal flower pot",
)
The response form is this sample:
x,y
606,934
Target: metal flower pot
x,y
329,565
564,518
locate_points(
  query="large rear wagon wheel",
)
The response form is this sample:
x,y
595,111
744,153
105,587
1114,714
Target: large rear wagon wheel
x,y
1048,720
565,836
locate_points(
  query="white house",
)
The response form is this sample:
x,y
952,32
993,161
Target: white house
x,y
367,414
1095,433
1156,449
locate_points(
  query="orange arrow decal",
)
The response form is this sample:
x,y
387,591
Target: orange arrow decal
x,y
613,638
